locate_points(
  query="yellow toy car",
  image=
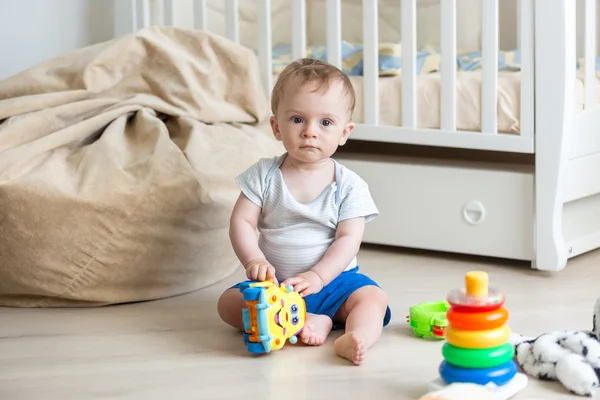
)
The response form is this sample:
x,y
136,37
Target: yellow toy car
x,y
273,314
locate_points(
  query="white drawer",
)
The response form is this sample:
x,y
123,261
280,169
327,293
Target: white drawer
x,y
467,208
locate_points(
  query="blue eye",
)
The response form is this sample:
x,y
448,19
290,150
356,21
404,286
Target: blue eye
x,y
295,320
294,308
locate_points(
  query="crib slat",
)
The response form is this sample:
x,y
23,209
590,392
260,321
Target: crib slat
x,y
200,14
143,13
526,32
590,53
179,13
125,17
264,44
448,72
168,12
299,29
489,60
519,23
409,64
371,62
334,32
232,24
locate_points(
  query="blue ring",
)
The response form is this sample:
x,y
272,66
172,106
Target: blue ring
x,y
500,375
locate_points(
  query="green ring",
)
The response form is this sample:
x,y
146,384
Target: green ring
x,y
478,358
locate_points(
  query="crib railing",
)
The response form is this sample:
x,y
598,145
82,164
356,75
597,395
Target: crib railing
x,y
590,53
135,14
526,33
448,50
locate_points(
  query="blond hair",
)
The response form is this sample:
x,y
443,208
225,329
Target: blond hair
x,y
307,70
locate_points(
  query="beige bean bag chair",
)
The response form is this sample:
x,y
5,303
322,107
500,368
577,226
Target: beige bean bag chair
x,y
117,167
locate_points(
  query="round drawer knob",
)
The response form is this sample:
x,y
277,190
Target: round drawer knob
x,y
474,212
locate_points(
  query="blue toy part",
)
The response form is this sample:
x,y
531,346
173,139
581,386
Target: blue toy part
x,y
262,321
251,294
499,375
256,348
246,318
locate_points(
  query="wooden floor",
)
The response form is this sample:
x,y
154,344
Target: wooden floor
x,y
178,349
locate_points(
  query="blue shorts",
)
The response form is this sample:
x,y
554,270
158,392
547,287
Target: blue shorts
x,y
331,297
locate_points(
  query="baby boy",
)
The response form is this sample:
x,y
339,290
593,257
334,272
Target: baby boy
x,y
310,212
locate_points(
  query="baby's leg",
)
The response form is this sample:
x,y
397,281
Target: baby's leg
x,y
230,307
363,313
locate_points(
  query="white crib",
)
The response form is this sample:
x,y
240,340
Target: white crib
x,y
545,212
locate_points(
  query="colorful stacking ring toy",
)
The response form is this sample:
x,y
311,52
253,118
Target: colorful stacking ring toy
x,y
477,339
477,348
482,321
478,358
499,375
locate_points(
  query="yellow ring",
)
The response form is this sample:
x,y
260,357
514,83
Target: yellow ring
x,y
477,339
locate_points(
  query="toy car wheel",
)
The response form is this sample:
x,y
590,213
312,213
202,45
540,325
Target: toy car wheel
x,y
256,348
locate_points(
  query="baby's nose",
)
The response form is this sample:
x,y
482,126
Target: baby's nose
x,y
309,133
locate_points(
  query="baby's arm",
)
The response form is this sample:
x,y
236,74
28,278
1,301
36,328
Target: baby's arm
x,y
347,242
242,233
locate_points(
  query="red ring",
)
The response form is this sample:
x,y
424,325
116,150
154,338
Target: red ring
x,y
477,321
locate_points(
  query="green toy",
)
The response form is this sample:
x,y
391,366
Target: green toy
x,y
429,319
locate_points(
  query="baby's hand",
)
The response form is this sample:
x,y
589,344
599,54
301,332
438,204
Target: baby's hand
x,y
260,270
305,283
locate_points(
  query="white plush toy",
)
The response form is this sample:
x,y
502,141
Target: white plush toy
x,y
570,357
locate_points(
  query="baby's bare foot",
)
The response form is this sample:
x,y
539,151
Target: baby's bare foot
x,y
351,346
316,329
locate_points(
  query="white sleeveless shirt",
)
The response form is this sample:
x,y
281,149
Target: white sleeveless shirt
x,y
295,236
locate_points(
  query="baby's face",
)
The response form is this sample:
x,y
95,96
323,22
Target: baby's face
x,y
312,124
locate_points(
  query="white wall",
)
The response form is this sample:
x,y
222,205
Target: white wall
x,y
34,30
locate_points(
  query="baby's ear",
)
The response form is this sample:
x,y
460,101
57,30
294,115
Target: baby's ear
x,y
346,133
275,127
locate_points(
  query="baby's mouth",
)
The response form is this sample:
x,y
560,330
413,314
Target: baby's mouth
x,y
277,319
